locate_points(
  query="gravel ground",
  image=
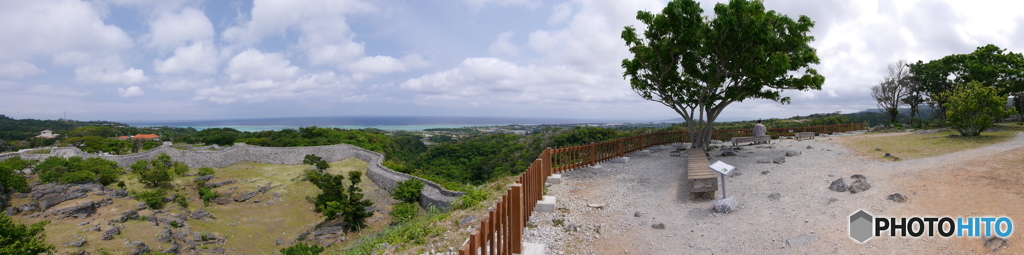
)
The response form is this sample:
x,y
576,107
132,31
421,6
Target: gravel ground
x,y
784,208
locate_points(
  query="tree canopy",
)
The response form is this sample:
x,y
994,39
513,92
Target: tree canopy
x,y
989,65
697,66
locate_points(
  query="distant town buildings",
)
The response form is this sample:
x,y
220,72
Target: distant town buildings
x,y
47,134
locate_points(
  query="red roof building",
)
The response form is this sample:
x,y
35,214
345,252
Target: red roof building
x,y
146,137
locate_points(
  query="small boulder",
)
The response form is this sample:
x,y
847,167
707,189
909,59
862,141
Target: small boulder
x,y
726,205
765,172
809,147
81,241
203,178
110,233
200,214
993,243
246,196
792,153
774,196
658,226
859,184
897,197
139,248
779,160
728,153
839,185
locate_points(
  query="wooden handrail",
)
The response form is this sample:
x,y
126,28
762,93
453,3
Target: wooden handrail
x,y
501,230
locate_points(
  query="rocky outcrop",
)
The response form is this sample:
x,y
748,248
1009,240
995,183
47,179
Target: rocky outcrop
x,y
81,210
433,195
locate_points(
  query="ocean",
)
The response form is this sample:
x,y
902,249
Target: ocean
x,y
405,123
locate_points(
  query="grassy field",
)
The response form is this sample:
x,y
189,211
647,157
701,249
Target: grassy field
x,y
250,227
910,146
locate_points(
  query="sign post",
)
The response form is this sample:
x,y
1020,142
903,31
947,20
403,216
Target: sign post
x,y
724,169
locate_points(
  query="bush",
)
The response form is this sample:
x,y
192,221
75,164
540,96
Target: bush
x,y
972,108
154,177
9,179
408,190
302,249
182,201
403,212
205,170
470,198
21,239
180,168
207,194
153,198
78,177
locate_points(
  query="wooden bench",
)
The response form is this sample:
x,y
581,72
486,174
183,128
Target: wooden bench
x,y
701,180
752,139
804,135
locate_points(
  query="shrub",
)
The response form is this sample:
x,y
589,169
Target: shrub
x,y
302,249
205,170
180,168
21,239
971,108
154,177
153,198
408,190
207,194
139,166
403,212
77,177
470,198
182,201
9,179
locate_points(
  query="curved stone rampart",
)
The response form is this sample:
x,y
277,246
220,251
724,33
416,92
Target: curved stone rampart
x,y
432,195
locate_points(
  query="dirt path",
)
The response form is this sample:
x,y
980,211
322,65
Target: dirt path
x,y
784,208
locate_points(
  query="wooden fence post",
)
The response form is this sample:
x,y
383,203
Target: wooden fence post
x,y
518,220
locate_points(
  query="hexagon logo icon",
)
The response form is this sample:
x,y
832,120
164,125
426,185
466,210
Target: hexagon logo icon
x,y
861,226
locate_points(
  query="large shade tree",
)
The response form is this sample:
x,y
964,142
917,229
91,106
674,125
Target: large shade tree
x,y
989,65
697,65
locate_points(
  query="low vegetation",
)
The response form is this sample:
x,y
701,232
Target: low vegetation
x,y
912,146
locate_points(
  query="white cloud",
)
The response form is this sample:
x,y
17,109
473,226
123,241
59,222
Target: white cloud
x,y
18,70
50,28
132,91
832,93
175,29
384,65
198,57
560,13
254,65
307,87
477,5
274,17
109,70
502,47
487,81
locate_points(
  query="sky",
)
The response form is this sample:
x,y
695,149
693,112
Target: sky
x,y
136,60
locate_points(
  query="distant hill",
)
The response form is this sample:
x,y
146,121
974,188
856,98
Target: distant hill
x,y
14,129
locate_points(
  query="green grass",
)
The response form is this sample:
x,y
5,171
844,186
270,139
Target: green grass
x,y
412,233
911,146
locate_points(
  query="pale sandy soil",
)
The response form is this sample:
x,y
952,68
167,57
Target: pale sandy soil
x,y
987,181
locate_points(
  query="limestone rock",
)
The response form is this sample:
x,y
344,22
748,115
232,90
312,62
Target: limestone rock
x,y
779,160
173,249
200,214
897,197
81,241
139,248
775,196
116,193
110,233
726,205
728,153
246,196
218,184
792,153
859,184
838,185
81,210
993,243
658,226
203,178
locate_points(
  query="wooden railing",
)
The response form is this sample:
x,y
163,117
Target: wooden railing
x,y
501,230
